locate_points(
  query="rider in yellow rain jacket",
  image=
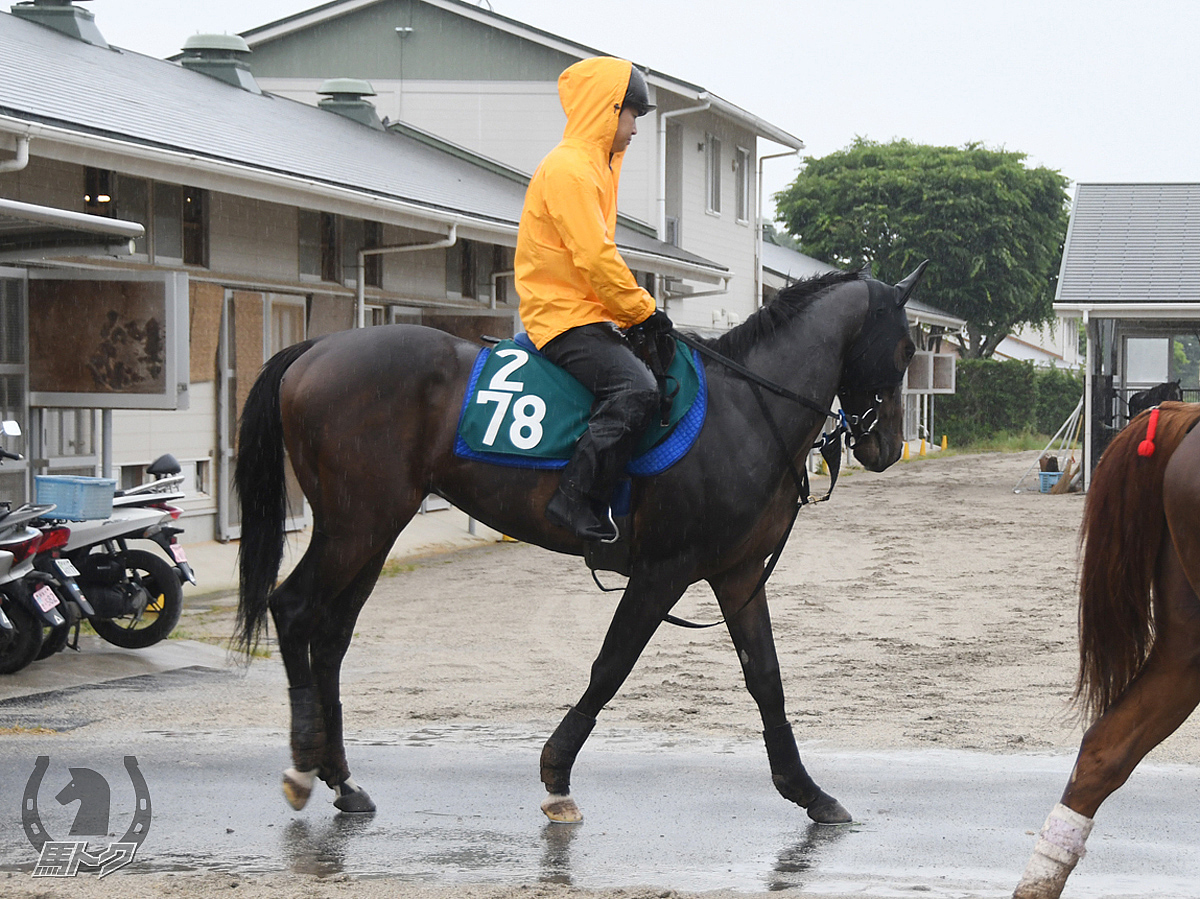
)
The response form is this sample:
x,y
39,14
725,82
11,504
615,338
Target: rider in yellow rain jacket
x,y
576,291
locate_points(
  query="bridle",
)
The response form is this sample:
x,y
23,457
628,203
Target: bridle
x,y
860,425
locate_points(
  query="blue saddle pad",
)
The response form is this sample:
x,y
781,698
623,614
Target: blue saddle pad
x,y
523,411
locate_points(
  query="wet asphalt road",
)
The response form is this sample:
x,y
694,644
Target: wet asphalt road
x,y
459,804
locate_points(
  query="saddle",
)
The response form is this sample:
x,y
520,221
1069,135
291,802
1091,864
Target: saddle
x,y
521,410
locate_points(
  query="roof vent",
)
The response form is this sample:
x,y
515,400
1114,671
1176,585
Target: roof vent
x,y
221,56
345,97
64,16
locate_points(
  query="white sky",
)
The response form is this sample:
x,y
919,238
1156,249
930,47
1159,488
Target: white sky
x,y
1102,90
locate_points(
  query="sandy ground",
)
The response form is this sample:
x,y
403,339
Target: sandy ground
x,y
924,607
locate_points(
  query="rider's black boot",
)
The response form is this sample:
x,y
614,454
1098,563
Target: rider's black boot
x,y
574,511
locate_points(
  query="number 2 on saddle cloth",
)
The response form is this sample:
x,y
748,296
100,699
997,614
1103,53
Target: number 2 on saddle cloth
x,y
521,410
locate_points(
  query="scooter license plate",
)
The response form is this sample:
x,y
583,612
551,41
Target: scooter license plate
x,y
177,553
45,598
66,568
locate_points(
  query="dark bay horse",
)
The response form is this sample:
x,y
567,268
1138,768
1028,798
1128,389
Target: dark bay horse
x,y
369,417
1139,623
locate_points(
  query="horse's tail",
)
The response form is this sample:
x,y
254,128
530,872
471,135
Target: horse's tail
x,y
1123,529
260,480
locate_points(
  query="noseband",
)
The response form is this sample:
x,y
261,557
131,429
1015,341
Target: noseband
x,y
858,426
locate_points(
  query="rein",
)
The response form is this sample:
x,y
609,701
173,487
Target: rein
x,y
829,445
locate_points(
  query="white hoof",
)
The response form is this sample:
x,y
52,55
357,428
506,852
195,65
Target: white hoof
x,y
561,808
298,787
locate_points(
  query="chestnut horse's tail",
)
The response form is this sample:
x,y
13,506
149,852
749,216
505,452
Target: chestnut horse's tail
x,y
261,486
1123,529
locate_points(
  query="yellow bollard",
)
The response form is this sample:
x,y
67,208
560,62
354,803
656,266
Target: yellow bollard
x,y
922,446
945,442
905,454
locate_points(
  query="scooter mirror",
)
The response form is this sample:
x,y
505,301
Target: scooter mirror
x,y
10,428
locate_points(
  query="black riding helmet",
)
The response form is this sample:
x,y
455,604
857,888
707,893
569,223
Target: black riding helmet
x,y
637,96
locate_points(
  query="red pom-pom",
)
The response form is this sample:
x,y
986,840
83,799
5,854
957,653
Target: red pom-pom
x,y
1146,447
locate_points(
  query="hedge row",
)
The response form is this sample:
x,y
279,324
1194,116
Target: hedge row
x,y
993,397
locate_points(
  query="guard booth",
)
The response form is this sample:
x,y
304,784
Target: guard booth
x,y
1131,277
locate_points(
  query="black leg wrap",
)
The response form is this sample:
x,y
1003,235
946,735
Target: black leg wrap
x,y
558,755
308,728
787,771
794,783
334,770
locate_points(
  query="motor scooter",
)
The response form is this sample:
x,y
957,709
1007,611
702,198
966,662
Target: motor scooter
x,y
131,597
27,602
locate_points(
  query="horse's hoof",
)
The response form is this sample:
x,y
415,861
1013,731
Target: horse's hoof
x,y
561,809
827,810
353,799
297,787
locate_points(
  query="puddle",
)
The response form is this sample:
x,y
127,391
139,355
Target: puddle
x,y
462,807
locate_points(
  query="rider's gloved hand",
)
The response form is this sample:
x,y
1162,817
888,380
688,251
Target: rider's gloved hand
x,y
656,323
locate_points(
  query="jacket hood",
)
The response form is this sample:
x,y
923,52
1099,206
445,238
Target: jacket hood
x,y
591,92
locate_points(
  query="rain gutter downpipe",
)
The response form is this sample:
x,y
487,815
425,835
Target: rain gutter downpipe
x,y
496,276
662,172
758,231
22,157
361,301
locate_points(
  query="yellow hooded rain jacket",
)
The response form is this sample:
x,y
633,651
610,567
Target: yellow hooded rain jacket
x,y
568,270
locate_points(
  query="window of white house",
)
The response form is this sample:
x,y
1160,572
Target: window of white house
x,y
741,179
712,173
175,217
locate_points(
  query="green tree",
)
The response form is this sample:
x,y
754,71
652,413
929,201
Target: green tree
x,y
992,228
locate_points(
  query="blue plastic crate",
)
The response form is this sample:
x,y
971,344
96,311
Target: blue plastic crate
x,y
76,499
1048,480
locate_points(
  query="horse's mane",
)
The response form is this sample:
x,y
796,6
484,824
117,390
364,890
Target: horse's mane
x,y
790,302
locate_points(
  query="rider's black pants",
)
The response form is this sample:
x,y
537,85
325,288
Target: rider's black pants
x,y
626,402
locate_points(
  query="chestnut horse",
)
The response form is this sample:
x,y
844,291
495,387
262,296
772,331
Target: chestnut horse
x,y
369,419
1139,623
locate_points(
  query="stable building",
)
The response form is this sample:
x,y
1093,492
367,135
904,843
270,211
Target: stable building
x,y
167,226
1131,273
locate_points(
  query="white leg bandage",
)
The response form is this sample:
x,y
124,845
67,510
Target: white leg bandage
x,y
303,779
1058,849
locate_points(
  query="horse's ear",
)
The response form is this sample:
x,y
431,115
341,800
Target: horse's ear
x,y
906,286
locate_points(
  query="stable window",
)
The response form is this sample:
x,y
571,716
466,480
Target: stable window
x,y
168,223
287,321
330,233
373,265
132,203
462,269
319,245
195,226
712,174
175,217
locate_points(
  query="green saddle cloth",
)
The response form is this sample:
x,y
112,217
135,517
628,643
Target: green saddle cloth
x,y
519,403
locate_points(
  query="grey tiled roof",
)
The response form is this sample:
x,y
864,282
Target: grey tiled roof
x,y
50,78
1132,243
